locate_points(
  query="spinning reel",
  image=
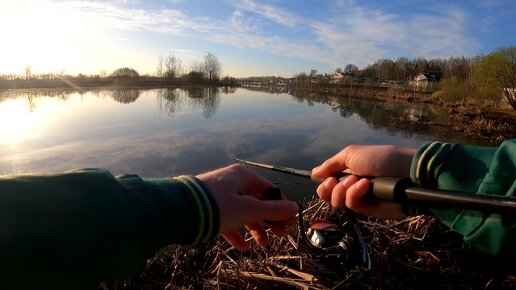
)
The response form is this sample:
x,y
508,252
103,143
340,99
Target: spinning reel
x,y
329,244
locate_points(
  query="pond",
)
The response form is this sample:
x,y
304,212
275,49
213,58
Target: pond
x,y
168,132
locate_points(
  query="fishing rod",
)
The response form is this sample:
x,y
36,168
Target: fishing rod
x,y
403,191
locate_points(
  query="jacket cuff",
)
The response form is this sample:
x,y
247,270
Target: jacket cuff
x,y
179,210
428,162
204,205
451,166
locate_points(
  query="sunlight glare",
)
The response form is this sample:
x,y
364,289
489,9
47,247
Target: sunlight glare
x,y
49,37
16,121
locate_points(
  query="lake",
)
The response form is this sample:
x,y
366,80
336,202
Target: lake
x,y
168,132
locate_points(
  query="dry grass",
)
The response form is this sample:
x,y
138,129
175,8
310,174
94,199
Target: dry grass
x,y
415,253
482,123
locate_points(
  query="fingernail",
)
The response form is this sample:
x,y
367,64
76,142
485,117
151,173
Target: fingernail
x,y
315,169
362,185
327,183
348,181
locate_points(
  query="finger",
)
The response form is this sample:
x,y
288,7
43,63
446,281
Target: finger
x,y
338,196
324,189
258,232
257,186
273,210
329,167
236,240
279,229
356,193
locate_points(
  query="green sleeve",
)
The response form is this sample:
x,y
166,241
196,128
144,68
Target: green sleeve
x,y
75,229
487,170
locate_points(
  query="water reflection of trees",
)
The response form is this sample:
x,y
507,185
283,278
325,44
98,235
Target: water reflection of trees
x,y
269,89
391,116
125,96
229,90
172,100
32,96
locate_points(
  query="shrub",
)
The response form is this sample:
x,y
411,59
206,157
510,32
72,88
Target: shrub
x,y
452,89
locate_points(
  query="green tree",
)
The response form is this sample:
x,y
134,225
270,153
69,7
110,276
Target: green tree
x,y
495,74
452,89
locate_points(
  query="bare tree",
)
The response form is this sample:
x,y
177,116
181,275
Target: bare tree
x,y
159,69
212,67
28,72
402,66
171,66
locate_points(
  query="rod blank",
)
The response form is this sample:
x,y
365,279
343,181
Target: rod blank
x,y
404,191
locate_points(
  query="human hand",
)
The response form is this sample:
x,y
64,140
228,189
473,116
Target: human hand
x,y
363,160
239,193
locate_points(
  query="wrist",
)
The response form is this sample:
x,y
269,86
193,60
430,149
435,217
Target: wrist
x,y
205,205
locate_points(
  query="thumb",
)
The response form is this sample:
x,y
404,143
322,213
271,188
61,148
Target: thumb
x,y
272,210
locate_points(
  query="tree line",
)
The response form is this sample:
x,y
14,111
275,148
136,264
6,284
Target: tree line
x,y
169,71
490,77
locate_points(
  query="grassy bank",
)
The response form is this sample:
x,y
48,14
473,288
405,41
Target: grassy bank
x,y
479,119
415,253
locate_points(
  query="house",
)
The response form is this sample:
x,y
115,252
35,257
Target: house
x,y
422,80
336,78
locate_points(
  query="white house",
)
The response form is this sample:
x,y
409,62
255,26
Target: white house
x,y
336,78
420,80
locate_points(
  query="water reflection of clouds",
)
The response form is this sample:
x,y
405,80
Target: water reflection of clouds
x,y
136,140
168,152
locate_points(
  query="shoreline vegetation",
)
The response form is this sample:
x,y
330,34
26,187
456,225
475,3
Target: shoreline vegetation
x,y
482,120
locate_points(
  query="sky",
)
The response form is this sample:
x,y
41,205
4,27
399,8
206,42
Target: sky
x,y
249,37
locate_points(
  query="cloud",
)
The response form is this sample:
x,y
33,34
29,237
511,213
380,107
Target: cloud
x,y
359,35
118,17
440,36
238,23
273,13
350,33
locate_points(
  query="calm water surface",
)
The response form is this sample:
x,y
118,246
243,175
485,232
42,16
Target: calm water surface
x,y
167,132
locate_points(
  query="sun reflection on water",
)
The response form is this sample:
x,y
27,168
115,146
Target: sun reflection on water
x,y
17,123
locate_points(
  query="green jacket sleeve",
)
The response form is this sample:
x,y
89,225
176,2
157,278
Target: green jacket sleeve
x,y
487,170
79,228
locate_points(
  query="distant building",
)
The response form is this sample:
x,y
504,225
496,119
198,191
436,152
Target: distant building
x,y
336,78
423,80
